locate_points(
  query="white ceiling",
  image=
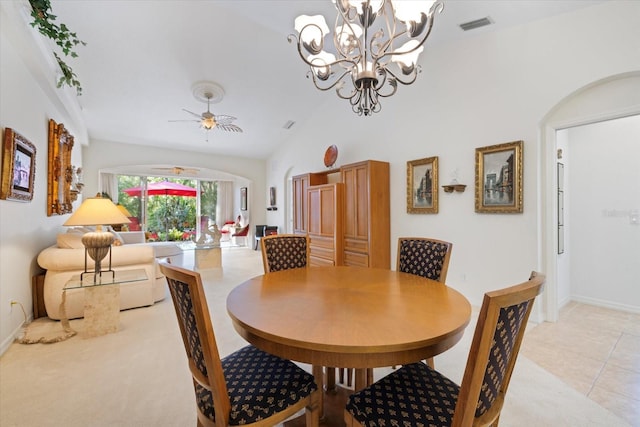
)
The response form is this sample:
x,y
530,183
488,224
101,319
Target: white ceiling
x,y
143,57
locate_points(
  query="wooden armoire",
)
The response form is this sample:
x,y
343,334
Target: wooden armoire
x,y
347,220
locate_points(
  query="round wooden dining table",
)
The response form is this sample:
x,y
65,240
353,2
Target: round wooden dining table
x,y
348,317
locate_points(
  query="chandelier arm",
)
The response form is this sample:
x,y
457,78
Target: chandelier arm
x,y
311,64
413,75
313,48
325,88
345,19
391,31
385,81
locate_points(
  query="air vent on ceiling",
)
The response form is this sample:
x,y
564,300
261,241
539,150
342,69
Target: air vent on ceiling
x,y
289,124
472,25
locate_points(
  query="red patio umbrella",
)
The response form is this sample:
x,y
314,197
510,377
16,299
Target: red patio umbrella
x,y
164,188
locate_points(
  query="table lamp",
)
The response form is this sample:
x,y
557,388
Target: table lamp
x,y
125,212
97,211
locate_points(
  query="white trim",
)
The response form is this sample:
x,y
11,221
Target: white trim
x,y
607,304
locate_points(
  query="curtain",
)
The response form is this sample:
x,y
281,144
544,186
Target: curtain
x,y
109,184
224,208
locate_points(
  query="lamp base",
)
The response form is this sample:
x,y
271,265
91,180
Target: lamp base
x,y
97,245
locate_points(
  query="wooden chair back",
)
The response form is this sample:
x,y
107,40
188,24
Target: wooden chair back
x,y
200,345
284,251
496,342
424,257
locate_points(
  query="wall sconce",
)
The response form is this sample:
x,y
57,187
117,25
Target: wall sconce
x,y
454,186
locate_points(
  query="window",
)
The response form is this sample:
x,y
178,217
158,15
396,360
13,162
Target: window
x,y
167,208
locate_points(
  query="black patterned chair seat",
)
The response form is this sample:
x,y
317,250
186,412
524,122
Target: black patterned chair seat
x,y
259,385
414,395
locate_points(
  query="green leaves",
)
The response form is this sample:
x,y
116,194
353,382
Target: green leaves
x,y
65,39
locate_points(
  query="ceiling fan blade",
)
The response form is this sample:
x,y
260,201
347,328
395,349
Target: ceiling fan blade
x,y
192,113
223,119
228,128
187,120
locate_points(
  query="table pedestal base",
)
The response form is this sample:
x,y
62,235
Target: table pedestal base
x,y
101,310
334,404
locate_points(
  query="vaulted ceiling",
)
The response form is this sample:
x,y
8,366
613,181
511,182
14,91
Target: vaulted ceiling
x,y
143,57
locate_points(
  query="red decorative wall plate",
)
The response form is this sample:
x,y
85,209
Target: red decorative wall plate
x,y
330,156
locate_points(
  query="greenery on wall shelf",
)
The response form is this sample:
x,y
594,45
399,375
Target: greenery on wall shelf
x,y
43,20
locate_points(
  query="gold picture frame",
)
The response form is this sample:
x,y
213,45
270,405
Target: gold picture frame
x,y
422,185
499,178
60,170
18,167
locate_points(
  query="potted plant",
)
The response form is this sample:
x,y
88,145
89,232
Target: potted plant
x,y
44,22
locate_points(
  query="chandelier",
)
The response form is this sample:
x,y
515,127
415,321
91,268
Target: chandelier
x,y
376,45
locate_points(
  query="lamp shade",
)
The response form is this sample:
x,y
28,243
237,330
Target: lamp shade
x,y
97,211
124,210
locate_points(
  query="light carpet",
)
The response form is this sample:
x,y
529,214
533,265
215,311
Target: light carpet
x,y
139,375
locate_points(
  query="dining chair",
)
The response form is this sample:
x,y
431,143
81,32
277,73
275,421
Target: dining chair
x,y
424,257
243,232
418,392
258,235
249,386
284,251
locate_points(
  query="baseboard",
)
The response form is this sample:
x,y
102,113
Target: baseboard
x,y
14,334
606,304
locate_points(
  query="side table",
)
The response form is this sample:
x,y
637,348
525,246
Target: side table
x,y
102,298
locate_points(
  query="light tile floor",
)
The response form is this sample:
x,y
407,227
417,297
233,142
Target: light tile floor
x,y
596,351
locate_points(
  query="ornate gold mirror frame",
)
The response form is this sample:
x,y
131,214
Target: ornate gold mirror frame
x,y
60,172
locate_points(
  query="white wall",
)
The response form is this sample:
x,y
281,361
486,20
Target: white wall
x,y
605,190
26,105
488,90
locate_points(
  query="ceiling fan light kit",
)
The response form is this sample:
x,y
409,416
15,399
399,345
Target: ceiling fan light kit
x,y
211,93
376,45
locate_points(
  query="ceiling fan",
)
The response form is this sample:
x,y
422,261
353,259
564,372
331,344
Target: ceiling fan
x,y
178,170
210,121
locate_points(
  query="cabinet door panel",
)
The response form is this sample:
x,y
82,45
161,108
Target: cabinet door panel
x,y
320,262
325,221
356,245
356,259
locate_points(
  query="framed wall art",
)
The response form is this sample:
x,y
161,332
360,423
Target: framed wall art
x,y
272,199
243,198
422,185
18,167
499,178
60,170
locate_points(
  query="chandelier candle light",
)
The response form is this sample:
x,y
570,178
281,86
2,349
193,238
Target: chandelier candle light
x,y
97,211
376,45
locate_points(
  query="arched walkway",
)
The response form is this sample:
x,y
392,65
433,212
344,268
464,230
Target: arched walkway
x,y
611,98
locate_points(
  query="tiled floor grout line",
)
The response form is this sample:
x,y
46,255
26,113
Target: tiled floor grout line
x,y
604,365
